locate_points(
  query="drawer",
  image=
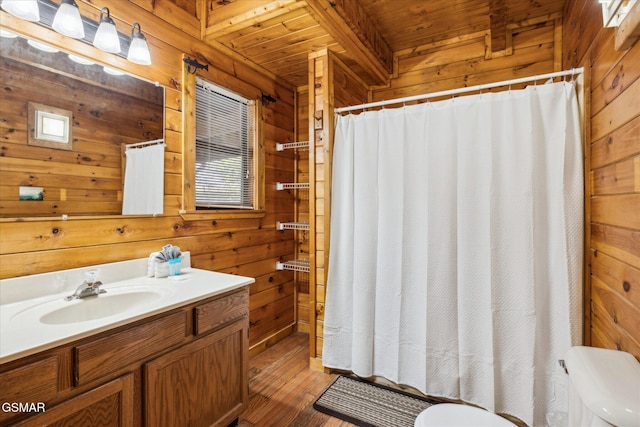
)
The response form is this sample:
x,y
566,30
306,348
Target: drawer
x,y
214,314
35,382
109,355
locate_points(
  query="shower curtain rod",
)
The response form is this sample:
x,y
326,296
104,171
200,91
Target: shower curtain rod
x,y
143,143
572,72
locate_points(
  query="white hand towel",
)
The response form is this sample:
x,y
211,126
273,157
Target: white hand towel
x,y
144,181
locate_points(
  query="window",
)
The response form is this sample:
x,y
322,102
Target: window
x,y
224,152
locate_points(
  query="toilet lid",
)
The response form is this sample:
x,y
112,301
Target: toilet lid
x,y
458,415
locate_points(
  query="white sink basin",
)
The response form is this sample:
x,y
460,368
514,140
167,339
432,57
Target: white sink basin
x,y
97,307
115,301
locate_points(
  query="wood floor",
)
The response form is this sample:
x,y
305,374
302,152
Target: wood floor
x,y
282,388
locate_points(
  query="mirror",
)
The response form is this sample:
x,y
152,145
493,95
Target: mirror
x,y
83,176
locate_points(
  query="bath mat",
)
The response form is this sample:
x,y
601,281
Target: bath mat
x,y
370,405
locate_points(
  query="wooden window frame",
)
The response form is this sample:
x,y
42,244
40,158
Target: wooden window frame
x,y
189,210
37,137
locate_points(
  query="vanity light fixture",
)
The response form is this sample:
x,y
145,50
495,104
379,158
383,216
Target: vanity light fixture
x,y
68,20
106,37
138,49
23,9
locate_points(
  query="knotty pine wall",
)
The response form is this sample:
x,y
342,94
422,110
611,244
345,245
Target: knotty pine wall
x,y
302,207
248,246
334,85
612,164
533,48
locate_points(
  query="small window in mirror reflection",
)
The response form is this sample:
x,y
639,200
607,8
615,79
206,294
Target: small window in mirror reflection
x,y
49,127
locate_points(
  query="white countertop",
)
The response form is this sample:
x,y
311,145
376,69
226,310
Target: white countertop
x,y
22,332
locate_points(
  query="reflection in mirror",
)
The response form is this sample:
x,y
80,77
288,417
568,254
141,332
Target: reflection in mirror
x,y
108,112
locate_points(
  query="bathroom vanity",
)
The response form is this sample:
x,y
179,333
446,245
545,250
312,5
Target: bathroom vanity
x,y
177,355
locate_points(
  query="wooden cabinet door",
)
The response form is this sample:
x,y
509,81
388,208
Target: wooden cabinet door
x,y
110,405
35,382
202,383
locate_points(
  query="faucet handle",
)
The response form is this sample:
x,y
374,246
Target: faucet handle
x,y
97,287
91,276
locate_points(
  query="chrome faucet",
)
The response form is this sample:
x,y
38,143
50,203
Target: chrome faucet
x,y
89,287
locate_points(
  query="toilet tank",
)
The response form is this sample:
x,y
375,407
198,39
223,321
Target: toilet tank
x,y
604,387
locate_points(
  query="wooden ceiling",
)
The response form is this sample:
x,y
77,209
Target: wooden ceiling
x,y
279,35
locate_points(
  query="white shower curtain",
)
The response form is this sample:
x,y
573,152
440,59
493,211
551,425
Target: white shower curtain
x,y
456,247
144,181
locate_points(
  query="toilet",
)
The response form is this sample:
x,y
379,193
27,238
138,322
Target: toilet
x,y
459,415
604,387
604,390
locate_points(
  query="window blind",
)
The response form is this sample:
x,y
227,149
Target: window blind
x,y
224,176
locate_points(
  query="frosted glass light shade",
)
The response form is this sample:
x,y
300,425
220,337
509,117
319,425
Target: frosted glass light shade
x,y
107,34
68,21
23,9
138,49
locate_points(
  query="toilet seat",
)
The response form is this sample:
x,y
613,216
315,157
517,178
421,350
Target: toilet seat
x,y
459,415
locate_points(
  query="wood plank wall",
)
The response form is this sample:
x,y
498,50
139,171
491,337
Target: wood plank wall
x,y
535,48
612,165
467,60
302,207
245,246
334,85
